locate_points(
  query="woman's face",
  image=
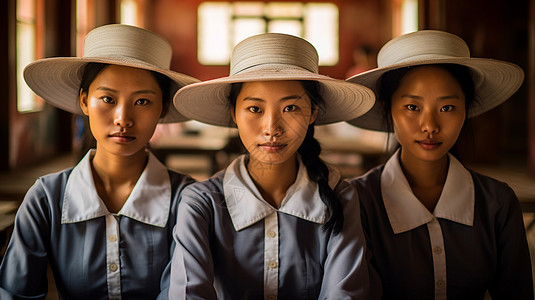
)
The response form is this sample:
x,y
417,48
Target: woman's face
x,y
123,105
428,113
272,119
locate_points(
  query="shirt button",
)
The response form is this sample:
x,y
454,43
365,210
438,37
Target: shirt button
x,y
113,267
271,234
441,284
272,297
273,264
437,250
112,238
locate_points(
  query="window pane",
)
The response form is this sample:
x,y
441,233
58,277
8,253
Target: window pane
x,y
409,16
321,29
129,12
221,25
244,28
213,37
26,100
288,27
284,10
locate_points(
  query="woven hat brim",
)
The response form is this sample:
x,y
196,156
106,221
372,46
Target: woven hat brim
x,y
207,101
57,81
495,82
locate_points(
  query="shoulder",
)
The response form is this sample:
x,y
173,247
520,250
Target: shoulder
x,y
45,197
495,194
179,181
370,179
209,190
485,183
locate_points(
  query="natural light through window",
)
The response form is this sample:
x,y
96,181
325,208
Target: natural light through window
x,y
27,101
409,16
221,25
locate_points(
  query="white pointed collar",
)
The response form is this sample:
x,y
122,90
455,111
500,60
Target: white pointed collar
x,y
246,205
405,212
149,201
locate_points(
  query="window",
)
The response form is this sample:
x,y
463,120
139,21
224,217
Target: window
x,y
405,16
29,48
222,25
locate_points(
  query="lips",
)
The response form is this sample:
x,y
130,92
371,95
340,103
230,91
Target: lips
x,y
121,137
272,147
429,144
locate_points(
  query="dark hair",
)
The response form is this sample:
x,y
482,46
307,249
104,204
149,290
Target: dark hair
x,y
310,151
92,69
390,81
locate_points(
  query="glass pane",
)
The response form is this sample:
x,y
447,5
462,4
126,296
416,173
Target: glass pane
x,y
284,10
244,28
409,16
214,45
252,9
129,12
288,27
26,100
321,29
26,10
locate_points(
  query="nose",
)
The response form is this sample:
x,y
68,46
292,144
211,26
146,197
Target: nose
x,y
429,123
273,126
123,116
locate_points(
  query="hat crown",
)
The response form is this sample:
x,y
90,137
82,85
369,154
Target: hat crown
x,y
273,49
126,42
421,45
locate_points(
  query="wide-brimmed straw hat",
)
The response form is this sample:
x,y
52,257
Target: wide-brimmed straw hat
x,y
494,80
270,57
57,80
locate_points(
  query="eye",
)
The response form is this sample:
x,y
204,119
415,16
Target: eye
x,y
254,109
447,108
142,101
291,108
106,99
412,107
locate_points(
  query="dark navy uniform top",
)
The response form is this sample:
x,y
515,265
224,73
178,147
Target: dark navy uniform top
x,y
472,242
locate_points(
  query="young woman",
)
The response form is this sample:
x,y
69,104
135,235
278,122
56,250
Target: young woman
x,y
437,230
104,226
277,223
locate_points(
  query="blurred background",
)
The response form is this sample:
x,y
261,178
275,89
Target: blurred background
x,y
36,138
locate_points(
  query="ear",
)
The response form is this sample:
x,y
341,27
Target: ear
x,y
83,102
314,114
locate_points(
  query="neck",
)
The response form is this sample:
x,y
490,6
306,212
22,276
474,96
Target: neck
x,y
426,178
115,176
273,180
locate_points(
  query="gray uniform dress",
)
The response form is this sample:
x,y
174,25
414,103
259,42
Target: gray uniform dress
x,y
231,244
93,254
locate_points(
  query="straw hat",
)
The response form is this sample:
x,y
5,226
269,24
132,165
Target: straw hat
x,y
495,81
57,80
268,57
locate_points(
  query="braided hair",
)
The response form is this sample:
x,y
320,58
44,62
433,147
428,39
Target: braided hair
x,y
310,151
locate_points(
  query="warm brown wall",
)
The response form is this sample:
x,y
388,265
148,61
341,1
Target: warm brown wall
x,y
36,136
499,30
361,22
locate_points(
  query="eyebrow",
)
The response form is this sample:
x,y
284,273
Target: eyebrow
x,y
447,97
287,98
107,89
